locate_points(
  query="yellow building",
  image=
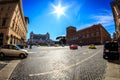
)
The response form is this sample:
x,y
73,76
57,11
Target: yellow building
x,y
13,24
116,13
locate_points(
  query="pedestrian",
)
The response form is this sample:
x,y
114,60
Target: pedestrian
x,y
30,46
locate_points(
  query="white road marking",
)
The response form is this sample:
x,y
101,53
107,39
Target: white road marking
x,y
84,53
58,70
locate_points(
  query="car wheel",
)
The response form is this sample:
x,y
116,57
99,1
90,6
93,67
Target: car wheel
x,y
2,55
104,56
22,56
117,57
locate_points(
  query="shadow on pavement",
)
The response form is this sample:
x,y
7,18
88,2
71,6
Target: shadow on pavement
x,y
10,58
114,61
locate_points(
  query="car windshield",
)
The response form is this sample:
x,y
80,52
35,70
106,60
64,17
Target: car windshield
x,y
18,47
111,46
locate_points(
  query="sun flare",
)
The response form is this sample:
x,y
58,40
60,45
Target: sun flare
x,y
59,10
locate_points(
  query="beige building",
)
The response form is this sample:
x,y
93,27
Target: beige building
x,y
13,24
116,13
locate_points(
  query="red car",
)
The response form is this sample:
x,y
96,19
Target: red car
x,y
73,47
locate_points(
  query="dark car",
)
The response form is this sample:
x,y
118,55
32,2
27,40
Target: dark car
x,y
21,46
111,50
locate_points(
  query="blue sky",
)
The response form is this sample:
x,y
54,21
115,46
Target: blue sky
x,y
78,13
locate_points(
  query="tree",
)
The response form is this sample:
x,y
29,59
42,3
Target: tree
x,y
62,39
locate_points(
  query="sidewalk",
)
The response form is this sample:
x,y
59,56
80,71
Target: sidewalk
x,y
113,70
3,63
7,70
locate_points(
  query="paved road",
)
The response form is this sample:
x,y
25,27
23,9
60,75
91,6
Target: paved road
x,y
61,63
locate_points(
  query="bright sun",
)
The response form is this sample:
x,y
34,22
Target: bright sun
x,y
59,10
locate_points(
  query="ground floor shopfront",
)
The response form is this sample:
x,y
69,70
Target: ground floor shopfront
x,y
9,37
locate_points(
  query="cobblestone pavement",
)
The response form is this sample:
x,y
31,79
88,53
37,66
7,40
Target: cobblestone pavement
x,y
61,63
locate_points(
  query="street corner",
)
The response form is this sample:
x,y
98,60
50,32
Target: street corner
x,y
7,69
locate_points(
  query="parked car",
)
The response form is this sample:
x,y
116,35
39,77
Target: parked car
x,y
73,46
12,50
111,50
92,46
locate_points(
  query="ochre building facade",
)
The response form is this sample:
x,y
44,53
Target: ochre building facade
x,y
95,34
116,14
13,24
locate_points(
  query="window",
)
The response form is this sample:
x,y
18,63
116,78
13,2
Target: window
x,y
8,7
5,47
13,25
87,35
3,22
97,33
15,28
92,34
12,47
83,36
6,14
119,27
77,38
1,8
119,6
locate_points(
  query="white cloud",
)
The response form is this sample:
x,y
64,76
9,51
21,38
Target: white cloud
x,y
104,18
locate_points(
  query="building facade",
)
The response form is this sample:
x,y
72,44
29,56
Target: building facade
x,y
38,39
95,34
116,14
13,24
